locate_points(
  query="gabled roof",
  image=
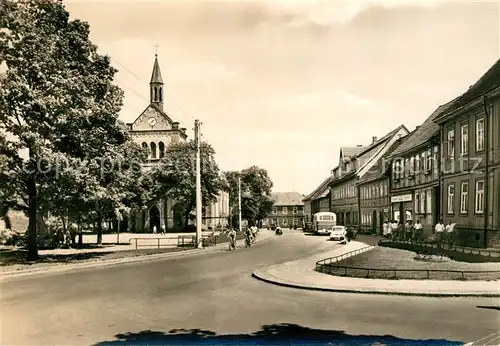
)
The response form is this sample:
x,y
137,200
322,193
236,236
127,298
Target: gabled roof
x,y
489,81
423,133
383,139
319,190
158,109
287,198
380,169
156,75
348,153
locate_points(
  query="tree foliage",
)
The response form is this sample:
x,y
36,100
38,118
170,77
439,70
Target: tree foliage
x,y
256,187
175,175
58,103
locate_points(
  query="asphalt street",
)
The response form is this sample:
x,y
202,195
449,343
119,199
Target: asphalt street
x,y
212,299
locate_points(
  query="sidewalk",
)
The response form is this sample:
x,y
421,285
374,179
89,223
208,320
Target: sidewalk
x,y
262,236
301,274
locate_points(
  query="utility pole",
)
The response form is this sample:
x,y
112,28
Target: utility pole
x,y
239,201
198,184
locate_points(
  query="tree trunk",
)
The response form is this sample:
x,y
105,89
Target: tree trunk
x,y
80,233
32,241
99,227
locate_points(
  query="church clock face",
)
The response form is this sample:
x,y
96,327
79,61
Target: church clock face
x,y
152,121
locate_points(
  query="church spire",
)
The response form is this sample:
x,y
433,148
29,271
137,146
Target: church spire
x,y
156,85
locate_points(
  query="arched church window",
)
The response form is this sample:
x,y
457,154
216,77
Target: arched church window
x,y
161,148
145,146
153,150
161,94
155,98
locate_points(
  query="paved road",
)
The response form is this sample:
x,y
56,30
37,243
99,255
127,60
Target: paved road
x,y
211,299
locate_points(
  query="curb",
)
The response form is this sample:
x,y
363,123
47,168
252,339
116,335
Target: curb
x,y
112,262
277,282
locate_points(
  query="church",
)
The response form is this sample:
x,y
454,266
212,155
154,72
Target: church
x,y
154,130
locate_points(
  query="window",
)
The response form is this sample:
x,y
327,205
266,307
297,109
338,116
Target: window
x,y
429,160
295,222
275,210
490,127
295,210
284,222
464,141
422,202
464,197
418,163
480,134
153,150
417,202
161,147
480,196
451,199
275,221
411,168
381,189
451,143
429,202
285,210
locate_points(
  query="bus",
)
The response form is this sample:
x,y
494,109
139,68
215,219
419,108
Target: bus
x,y
323,222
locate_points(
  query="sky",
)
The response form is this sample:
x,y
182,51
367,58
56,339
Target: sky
x,y
284,84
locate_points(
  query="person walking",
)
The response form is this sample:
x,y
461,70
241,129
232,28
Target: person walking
x,y
254,233
439,229
450,239
418,229
154,229
385,229
394,230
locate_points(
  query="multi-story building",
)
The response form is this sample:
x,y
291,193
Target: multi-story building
x,y
318,200
288,210
353,165
374,194
154,130
414,188
470,180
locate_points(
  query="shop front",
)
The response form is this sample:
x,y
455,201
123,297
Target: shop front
x,y
402,207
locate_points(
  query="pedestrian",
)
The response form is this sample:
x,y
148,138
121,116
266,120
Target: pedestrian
x,y
154,229
163,230
394,230
450,227
418,228
385,229
408,230
401,231
439,229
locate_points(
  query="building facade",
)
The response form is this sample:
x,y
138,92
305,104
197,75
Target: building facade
x,y
374,194
154,130
317,201
288,210
354,164
414,185
217,214
470,180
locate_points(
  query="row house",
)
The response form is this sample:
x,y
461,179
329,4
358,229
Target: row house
x,y
374,194
287,211
470,179
353,167
317,201
414,179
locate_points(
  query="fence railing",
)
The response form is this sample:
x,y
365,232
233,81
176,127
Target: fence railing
x,y
332,266
444,246
179,241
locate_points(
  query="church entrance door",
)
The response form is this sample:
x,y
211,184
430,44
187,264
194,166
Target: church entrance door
x,y
154,218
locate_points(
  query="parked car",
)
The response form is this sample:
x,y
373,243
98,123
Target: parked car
x,y
338,233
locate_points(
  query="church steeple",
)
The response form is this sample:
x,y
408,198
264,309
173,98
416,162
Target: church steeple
x,y
156,85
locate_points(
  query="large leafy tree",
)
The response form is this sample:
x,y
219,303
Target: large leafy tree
x,y
256,186
57,102
175,176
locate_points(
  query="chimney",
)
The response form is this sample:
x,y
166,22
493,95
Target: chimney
x,y
374,139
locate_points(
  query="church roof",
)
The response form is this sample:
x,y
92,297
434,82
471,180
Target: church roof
x,y
156,75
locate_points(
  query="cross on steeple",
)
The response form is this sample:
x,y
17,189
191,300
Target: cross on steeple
x,y
156,48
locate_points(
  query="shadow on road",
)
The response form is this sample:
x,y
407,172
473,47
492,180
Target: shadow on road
x,y
488,307
275,334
